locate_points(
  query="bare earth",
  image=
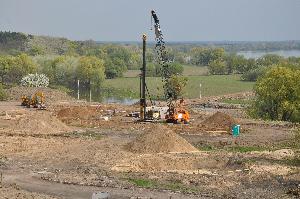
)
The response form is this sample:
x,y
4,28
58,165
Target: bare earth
x,y
74,149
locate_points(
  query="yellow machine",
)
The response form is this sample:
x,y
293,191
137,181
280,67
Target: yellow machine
x,y
37,100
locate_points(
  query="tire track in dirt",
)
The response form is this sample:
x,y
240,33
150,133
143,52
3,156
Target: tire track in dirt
x,y
31,182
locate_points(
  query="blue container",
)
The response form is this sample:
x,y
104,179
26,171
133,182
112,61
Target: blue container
x,y
236,130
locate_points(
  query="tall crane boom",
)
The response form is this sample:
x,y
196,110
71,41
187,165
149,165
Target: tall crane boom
x,y
173,114
160,48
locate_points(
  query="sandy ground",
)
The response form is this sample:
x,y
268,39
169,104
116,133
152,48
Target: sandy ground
x,y
83,148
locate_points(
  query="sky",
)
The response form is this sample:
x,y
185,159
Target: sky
x,y
181,20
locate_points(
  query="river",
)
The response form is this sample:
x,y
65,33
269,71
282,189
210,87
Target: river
x,y
258,54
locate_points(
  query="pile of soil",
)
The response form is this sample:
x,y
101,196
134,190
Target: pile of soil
x,y
219,121
40,122
79,112
52,95
160,141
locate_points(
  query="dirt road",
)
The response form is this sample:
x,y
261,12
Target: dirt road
x,y
32,183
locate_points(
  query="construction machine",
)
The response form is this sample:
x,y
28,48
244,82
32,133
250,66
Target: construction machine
x,y
37,100
175,112
178,114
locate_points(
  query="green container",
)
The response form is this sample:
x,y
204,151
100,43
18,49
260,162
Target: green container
x,y
236,130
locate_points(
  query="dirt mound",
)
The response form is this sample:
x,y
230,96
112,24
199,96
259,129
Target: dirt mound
x,y
35,122
52,95
193,163
79,112
160,141
218,121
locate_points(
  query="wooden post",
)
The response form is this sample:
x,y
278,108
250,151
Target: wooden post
x,y
200,91
78,89
90,85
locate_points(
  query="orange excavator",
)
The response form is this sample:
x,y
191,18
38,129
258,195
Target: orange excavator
x,y
178,114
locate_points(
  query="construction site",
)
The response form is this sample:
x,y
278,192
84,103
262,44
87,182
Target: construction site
x,y
55,146
74,148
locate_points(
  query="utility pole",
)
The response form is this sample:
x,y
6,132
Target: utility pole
x,y
143,83
78,89
90,85
200,91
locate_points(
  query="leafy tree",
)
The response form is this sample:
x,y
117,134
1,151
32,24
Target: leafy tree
x,y
36,50
254,74
114,67
51,67
154,70
235,63
247,65
91,70
18,67
217,67
13,42
5,64
269,59
203,56
277,94
175,86
135,61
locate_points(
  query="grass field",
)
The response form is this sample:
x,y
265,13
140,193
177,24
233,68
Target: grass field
x,y
188,71
211,85
194,70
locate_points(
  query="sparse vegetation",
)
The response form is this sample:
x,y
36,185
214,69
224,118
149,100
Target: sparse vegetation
x,y
245,149
239,149
3,94
152,184
237,101
88,134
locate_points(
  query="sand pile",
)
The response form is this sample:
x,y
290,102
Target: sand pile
x,y
40,122
160,141
218,121
52,95
79,112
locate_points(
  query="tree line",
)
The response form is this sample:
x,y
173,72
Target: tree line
x,y
64,62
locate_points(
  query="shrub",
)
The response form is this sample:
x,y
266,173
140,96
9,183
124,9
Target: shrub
x,y
3,95
35,80
278,94
253,74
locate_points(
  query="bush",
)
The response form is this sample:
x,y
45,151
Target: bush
x,y
3,94
278,95
253,74
154,70
174,87
35,80
217,67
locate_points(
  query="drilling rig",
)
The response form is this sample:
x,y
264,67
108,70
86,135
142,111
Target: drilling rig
x,y
176,112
